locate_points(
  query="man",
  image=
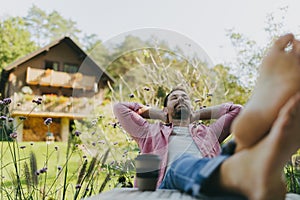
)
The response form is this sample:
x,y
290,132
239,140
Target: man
x,y
255,169
176,134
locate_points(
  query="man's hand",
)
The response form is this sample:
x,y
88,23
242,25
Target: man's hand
x,y
152,113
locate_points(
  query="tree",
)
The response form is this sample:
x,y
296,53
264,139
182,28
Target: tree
x,y
14,40
123,57
249,53
232,90
45,28
48,27
95,49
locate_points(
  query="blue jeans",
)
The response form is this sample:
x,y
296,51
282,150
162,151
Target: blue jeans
x,y
191,175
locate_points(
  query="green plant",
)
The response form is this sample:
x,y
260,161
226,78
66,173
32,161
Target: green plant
x,y
24,175
292,176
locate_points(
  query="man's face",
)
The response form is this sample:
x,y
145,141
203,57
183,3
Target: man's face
x,y
179,105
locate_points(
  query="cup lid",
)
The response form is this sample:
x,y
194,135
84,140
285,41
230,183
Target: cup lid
x,y
147,157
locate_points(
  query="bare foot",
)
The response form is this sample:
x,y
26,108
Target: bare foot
x,y
257,172
279,80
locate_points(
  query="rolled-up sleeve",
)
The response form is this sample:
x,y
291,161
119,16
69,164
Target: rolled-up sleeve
x,y
227,113
130,120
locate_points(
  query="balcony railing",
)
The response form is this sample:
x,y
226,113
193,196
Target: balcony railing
x,y
56,105
53,78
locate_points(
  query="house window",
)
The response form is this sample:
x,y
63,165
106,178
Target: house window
x,y
70,68
51,65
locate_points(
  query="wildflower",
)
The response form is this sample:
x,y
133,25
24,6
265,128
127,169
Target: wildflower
x,y
13,135
3,118
22,147
10,119
115,143
37,173
37,102
93,133
76,145
87,189
94,122
48,121
146,88
1,102
31,143
78,186
114,125
94,143
6,101
209,95
59,168
56,148
77,133
131,95
84,156
197,100
43,170
101,116
101,142
18,104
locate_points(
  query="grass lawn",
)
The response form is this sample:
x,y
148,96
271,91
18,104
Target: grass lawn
x,y
54,159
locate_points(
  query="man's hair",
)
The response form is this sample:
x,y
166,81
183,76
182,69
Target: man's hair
x,y
174,89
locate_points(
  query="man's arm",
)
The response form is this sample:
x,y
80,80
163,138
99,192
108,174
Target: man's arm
x,y
213,112
224,113
132,117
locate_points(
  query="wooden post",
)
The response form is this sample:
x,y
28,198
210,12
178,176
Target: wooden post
x,y
19,124
64,129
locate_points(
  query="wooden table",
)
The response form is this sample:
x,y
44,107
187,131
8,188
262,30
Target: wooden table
x,y
135,194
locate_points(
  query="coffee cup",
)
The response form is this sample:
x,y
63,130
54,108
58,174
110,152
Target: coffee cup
x,y
147,171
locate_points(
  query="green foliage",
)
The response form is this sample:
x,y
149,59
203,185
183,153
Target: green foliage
x,y
14,40
248,51
46,27
157,71
292,176
62,171
234,92
123,58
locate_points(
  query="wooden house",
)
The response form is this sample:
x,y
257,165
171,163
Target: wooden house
x,y
67,80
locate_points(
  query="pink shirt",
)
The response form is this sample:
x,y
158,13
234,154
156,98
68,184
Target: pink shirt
x,y
153,138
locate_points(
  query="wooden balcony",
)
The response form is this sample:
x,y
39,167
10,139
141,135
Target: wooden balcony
x,y
52,106
59,79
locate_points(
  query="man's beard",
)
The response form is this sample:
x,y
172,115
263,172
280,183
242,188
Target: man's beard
x,y
181,113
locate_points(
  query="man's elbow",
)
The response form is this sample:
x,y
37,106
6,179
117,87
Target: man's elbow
x,y
117,108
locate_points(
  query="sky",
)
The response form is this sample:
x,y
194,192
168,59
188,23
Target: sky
x,y
202,21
